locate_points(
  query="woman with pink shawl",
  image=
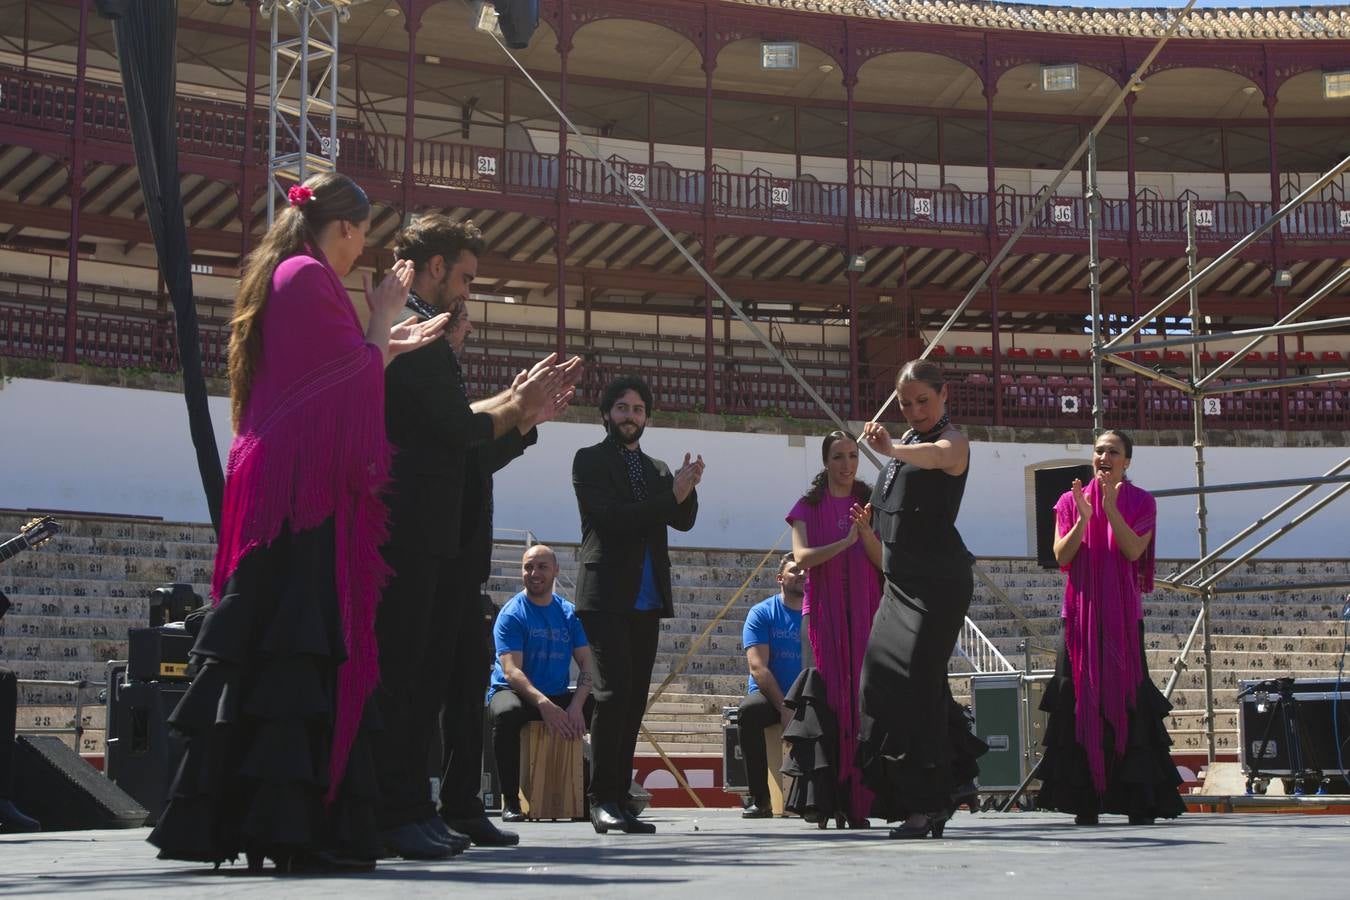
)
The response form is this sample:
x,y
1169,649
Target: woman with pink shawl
x,y
1106,744
833,540
276,761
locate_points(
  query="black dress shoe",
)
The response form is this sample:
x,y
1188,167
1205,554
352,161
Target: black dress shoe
x,y
755,811
14,821
606,816
411,842
633,825
483,833
439,832
510,814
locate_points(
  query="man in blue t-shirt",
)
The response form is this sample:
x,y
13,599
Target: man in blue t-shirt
x,y
773,648
537,636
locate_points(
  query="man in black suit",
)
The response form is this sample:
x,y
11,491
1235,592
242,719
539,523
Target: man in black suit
x,y
627,501
429,625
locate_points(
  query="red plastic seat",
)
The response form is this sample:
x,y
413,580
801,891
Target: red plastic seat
x,y
977,378
939,351
1206,356
1017,353
1254,358
965,350
1126,354
1272,357
1224,355
1147,356
1304,356
1174,356
1332,356
987,352
1070,355
1043,353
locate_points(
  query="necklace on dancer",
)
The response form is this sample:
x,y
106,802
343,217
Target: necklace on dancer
x,y
915,437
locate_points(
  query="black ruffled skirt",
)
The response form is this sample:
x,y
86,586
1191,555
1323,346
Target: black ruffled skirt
x,y
915,748
1142,783
258,720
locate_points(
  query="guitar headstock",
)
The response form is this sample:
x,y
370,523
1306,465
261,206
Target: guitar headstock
x,y
39,530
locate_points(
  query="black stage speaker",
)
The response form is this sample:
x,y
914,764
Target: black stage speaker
x,y
143,751
1286,728
63,792
1050,484
734,779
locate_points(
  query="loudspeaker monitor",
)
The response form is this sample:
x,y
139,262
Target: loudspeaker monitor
x,y
63,792
1049,485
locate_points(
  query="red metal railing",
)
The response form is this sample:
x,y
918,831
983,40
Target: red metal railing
x,y
216,129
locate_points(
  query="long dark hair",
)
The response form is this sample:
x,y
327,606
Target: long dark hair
x,y
335,198
862,491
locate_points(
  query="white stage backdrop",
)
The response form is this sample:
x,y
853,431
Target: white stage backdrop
x,y
123,451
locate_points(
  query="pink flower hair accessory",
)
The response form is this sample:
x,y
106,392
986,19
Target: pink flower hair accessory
x,y
299,195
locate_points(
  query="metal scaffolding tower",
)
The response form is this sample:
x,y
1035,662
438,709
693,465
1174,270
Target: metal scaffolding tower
x,y
303,93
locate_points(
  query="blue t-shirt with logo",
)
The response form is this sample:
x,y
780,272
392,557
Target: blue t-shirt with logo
x,y
545,636
771,622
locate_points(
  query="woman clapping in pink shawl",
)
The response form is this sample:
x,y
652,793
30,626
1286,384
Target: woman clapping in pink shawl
x,y
1106,742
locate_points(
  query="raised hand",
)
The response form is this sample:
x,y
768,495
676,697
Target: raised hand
x,y
389,297
687,477
1110,494
1080,500
412,333
861,516
877,437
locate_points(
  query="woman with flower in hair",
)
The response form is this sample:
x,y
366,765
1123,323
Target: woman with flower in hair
x,y
832,539
276,760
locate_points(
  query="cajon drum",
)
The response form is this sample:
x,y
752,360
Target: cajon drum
x,y
550,775
773,741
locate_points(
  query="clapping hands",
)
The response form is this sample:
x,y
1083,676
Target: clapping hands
x,y
546,389
687,477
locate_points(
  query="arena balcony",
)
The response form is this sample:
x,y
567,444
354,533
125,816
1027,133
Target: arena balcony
x,y
820,197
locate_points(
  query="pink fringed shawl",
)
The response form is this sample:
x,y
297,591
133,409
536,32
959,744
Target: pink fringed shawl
x,y
311,444
842,596
1102,611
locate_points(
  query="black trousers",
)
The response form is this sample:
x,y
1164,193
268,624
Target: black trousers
x,y
9,713
624,648
466,651
431,636
756,715
509,713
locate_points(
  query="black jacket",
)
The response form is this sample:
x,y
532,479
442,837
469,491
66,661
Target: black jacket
x,y
433,430
618,530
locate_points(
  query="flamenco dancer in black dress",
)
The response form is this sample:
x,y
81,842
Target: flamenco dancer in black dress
x,y
1106,743
915,748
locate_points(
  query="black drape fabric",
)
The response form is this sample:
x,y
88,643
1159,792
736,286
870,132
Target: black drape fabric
x,y
813,741
146,37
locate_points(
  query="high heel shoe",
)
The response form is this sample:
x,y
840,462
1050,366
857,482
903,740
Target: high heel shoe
x,y
966,795
934,824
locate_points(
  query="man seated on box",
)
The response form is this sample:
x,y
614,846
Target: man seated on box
x,y
537,636
773,648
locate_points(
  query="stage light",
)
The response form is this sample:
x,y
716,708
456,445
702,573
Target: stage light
x,y
778,55
1336,85
483,18
857,263
1283,278
1059,78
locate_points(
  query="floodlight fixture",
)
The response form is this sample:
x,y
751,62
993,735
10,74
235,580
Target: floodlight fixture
x,y
857,263
1336,85
1058,78
778,55
1283,278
